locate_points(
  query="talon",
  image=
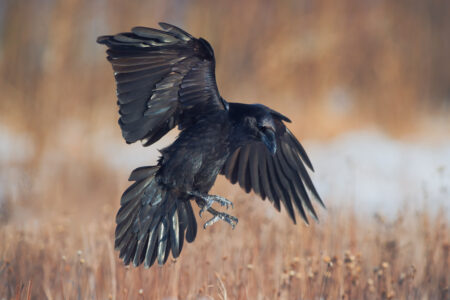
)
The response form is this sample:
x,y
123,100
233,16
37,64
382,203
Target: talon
x,y
209,201
211,221
205,202
205,207
221,216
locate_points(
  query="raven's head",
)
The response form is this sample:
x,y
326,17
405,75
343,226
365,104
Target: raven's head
x,y
258,122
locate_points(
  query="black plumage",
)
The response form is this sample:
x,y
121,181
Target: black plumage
x,y
165,78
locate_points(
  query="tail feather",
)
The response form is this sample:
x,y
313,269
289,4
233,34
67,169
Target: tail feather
x,y
139,254
142,173
135,190
163,240
175,236
150,254
151,221
191,231
130,249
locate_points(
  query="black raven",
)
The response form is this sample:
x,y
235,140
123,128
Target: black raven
x,y
165,78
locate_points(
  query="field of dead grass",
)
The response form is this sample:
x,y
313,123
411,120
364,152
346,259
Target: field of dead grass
x,y
346,256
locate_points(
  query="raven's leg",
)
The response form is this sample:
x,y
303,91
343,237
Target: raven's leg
x,y
209,201
217,215
220,216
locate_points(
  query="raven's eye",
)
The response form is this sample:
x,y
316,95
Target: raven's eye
x,y
262,127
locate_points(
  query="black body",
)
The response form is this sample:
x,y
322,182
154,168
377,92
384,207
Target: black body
x,y
166,79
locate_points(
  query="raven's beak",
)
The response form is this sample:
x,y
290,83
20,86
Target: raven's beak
x,y
269,139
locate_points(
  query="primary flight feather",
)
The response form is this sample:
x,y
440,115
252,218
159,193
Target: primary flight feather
x,y
165,78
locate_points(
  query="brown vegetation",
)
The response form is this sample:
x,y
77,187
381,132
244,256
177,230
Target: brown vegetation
x,y
330,65
265,257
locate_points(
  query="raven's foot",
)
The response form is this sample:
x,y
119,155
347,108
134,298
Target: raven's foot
x,y
206,201
220,216
209,201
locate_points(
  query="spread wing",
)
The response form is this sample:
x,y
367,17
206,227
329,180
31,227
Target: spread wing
x,y
164,78
281,177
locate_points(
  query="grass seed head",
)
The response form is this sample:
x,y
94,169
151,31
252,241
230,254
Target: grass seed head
x,y
379,273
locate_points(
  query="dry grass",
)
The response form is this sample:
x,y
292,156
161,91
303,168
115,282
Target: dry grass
x,y
71,256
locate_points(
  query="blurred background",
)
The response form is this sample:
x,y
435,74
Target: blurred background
x,y
366,84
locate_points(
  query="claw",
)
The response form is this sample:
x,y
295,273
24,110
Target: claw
x,y
200,213
209,201
222,216
205,202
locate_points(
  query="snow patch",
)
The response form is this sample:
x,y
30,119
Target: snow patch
x,y
375,173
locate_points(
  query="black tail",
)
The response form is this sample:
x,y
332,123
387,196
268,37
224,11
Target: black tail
x,y
151,221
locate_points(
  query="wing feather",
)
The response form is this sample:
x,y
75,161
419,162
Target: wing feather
x,y
164,78
289,162
243,166
275,186
292,177
281,177
301,168
230,166
284,187
262,168
254,174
